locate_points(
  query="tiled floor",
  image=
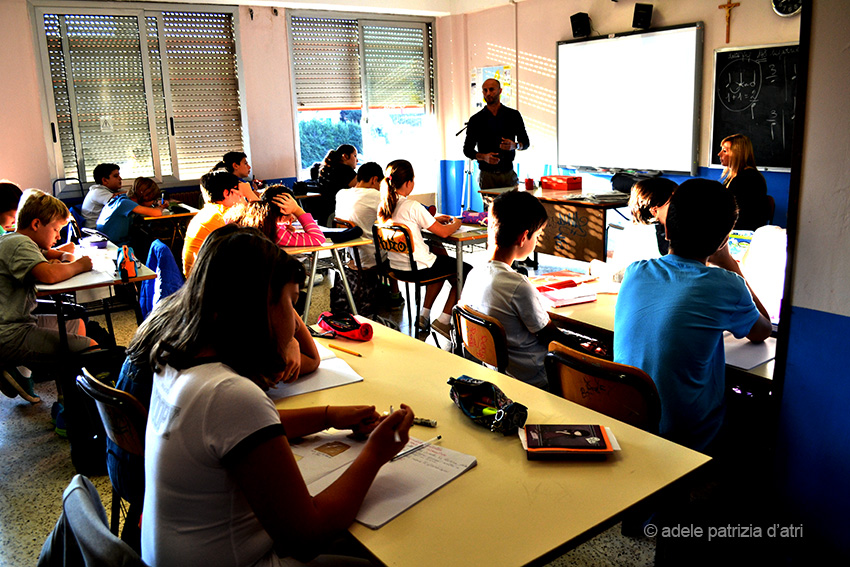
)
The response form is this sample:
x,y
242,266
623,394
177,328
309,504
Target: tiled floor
x,y
35,469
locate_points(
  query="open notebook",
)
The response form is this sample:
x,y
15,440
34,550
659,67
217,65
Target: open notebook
x,y
324,457
332,372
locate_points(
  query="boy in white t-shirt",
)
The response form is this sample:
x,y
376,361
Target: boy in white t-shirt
x,y
107,177
517,219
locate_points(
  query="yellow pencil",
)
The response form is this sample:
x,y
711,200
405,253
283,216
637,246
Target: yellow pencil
x,y
343,349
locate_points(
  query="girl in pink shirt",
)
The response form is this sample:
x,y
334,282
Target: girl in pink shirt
x,y
274,215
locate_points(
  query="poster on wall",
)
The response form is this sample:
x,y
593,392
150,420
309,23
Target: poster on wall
x,y
502,73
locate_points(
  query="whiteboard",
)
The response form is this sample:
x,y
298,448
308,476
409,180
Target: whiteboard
x,y
631,101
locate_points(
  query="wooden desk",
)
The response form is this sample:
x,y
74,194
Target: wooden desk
x,y
179,223
597,319
576,228
507,511
469,235
334,250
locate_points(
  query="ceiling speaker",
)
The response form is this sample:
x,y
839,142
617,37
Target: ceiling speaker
x,y
643,15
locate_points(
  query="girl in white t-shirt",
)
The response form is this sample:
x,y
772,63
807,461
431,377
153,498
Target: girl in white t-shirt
x,y
222,486
396,208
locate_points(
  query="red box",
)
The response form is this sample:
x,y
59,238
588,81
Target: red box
x,y
561,182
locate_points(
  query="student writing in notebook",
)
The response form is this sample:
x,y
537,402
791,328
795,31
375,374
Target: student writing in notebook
x,y
222,486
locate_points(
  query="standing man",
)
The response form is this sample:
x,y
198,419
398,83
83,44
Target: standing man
x,y
497,131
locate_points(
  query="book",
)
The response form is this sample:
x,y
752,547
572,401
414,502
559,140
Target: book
x,y
565,287
324,457
332,372
567,442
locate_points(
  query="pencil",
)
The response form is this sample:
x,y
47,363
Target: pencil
x,y
343,349
417,448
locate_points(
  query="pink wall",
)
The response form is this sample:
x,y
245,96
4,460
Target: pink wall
x,y
23,150
533,27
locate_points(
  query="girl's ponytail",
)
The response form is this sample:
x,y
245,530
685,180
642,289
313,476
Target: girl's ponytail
x,y
398,173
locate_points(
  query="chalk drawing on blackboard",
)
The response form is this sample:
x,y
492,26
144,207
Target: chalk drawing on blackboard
x,y
755,95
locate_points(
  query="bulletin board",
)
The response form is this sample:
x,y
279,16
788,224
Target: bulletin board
x,y
502,73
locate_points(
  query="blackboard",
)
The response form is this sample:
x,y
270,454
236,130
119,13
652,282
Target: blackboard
x,y
755,95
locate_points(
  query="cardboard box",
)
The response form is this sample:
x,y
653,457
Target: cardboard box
x,y
561,182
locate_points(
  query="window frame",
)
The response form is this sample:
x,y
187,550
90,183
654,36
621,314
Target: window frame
x,y
430,45
38,10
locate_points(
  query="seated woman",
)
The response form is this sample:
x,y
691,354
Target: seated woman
x,y
222,484
337,172
745,181
274,215
116,220
237,164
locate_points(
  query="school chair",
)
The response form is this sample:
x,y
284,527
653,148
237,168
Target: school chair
x,y
342,223
397,238
623,392
81,536
480,336
124,420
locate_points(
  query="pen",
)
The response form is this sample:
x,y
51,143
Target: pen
x,y
417,448
396,437
343,349
424,421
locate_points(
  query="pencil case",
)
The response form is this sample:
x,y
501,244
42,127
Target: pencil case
x,y
486,405
345,325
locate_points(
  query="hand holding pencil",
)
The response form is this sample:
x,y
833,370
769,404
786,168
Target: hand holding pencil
x,y
391,434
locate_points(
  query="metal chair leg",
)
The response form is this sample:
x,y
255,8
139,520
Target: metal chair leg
x,y
115,513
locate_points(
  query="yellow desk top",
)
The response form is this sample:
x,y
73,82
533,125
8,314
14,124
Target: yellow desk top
x,y
507,509
599,315
328,245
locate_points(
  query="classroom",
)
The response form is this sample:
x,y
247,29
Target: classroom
x,y
809,471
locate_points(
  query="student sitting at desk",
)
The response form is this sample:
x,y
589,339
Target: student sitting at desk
x,y
10,195
222,486
517,219
274,216
359,205
337,172
117,217
26,258
648,204
220,189
237,164
671,313
396,208
107,183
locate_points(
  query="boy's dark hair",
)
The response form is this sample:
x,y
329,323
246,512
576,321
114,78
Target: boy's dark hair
x,y
514,212
702,213
10,196
369,170
230,158
215,183
102,170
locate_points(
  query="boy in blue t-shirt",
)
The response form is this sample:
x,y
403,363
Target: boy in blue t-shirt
x,y
672,311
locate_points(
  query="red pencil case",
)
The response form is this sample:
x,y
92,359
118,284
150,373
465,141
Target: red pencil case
x,y
344,324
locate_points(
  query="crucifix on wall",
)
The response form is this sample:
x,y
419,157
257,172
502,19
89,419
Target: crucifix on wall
x,y
728,7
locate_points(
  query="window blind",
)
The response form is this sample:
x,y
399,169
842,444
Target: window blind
x,y
326,63
185,112
395,66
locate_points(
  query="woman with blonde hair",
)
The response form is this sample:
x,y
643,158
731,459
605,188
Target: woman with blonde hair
x,y
744,180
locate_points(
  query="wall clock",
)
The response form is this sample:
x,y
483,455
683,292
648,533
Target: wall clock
x,y
787,8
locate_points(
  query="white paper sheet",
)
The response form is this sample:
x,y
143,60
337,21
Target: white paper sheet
x,y
746,355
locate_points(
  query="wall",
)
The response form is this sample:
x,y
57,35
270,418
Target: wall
x,y
533,27
814,457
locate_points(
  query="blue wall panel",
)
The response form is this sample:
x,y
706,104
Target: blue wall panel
x,y
812,449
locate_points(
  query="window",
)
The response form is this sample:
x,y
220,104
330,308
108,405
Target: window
x,y
368,83
156,92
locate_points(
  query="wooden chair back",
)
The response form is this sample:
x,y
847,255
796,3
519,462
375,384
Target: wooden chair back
x,y
343,223
623,392
481,336
124,417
